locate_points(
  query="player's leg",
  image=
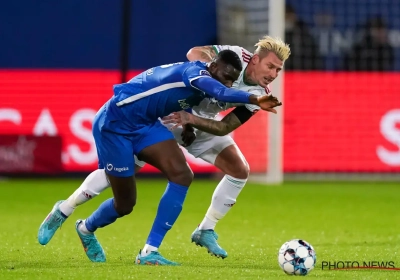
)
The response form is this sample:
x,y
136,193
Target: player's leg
x,y
115,152
232,162
95,183
225,155
124,191
169,159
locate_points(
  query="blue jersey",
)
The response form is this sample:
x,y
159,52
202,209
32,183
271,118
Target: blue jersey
x,y
164,89
160,91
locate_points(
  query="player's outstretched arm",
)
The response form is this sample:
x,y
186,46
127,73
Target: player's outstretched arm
x,y
229,123
220,92
204,53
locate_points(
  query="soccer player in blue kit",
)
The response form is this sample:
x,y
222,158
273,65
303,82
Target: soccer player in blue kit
x,y
128,125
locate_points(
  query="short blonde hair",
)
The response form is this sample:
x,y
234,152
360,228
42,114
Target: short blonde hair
x,y
275,45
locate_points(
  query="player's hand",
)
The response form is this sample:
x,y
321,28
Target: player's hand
x,y
178,119
188,135
268,103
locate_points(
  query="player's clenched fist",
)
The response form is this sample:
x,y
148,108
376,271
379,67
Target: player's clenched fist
x,y
188,136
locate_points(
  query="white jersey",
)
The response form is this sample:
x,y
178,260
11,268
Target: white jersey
x,y
210,107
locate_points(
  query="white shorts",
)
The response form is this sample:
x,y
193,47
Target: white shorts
x,y
206,146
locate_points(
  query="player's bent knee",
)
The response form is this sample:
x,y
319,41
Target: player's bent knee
x,y
125,212
183,178
124,190
245,170
232,162
181,175
124,209
240,171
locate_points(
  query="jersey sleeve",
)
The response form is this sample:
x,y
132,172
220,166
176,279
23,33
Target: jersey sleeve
x,y
244,54
215,89
194,72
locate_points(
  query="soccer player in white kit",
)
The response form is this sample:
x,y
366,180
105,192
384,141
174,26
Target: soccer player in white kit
x,y
212,142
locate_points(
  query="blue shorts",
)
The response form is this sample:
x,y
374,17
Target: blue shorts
x,y
117,142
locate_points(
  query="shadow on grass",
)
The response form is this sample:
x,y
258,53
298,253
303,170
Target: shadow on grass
x,y
359,243
71,263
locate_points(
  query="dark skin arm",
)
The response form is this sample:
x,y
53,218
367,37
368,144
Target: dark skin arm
x,y
229,123
220,128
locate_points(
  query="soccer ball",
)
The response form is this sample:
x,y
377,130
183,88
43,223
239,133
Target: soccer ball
x,y
297,257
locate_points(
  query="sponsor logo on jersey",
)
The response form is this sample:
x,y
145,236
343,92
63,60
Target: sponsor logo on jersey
x,y
109,166
118,169
204,73
184,105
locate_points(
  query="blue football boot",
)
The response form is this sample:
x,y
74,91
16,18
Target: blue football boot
x,y
92,247
49,226
208,238
154,258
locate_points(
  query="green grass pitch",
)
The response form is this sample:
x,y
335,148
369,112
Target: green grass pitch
x,y
354,221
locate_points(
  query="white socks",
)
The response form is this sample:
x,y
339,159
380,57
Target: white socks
x,y
93,185
83,229
147,249
223,199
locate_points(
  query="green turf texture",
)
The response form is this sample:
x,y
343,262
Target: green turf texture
x,y
355,221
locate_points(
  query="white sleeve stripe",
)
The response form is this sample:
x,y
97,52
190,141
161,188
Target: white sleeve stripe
x,y
150,92
198,77
195,78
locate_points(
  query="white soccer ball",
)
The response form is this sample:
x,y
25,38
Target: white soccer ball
x,y
297,257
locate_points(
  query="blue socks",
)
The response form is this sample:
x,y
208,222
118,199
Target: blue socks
x,y
103,216
168,211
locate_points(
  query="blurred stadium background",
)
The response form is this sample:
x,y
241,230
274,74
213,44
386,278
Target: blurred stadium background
x,y
340,120
340,90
